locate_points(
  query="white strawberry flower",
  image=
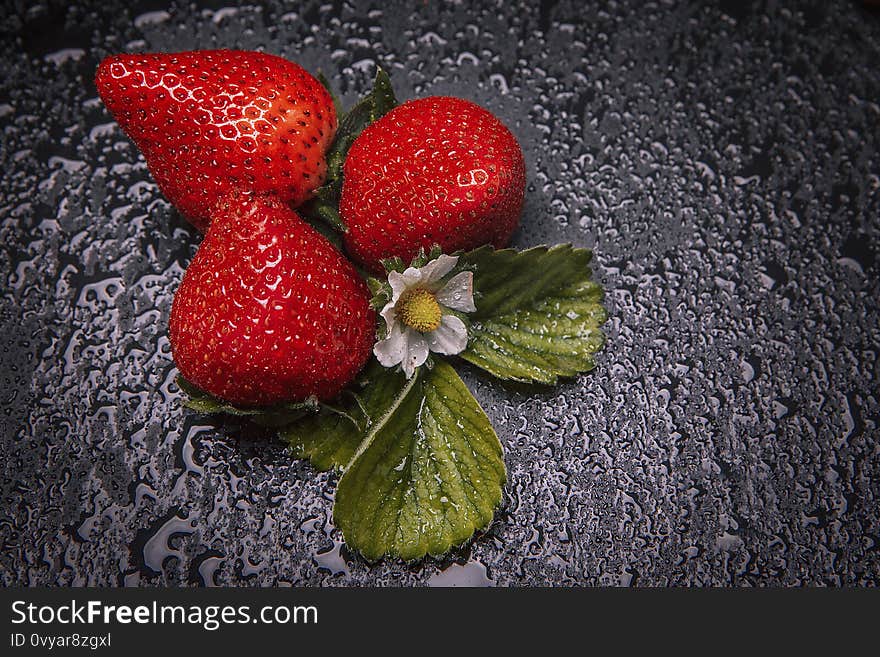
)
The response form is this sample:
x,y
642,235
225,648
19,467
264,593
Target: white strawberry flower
x,y
418,316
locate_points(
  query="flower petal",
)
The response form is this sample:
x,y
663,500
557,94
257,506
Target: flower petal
x,y
438,268
412,276
458,293
450,338
398,285
416,352
389,315
392,350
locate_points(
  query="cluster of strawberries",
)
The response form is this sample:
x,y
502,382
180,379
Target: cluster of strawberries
x,y
269,310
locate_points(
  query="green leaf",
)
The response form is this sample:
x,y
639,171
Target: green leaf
x,y
329,215
538,313
381,291
318,219
394,263
281,414
330,437
371,107
384,99
428,474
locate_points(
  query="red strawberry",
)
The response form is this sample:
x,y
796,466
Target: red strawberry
x,y
269,310
438,170
212,121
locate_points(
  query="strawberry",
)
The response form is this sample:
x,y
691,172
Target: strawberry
x,y
269,311
212,121
438,170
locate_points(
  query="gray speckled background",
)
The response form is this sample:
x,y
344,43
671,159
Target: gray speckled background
x,y
721,161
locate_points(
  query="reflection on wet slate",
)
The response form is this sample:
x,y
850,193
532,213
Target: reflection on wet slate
x,y
724,167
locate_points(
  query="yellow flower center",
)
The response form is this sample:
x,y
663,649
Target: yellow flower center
x,y
418,309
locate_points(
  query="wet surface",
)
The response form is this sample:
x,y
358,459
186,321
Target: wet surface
x,y
723,164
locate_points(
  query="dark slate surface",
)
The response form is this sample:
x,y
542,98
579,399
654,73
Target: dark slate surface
x,y
722,162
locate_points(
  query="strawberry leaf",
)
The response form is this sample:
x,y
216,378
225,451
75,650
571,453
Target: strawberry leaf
x,y
330,216
393,264
330,437
205,403
538,313
384,99
381,291
371,107
428,473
